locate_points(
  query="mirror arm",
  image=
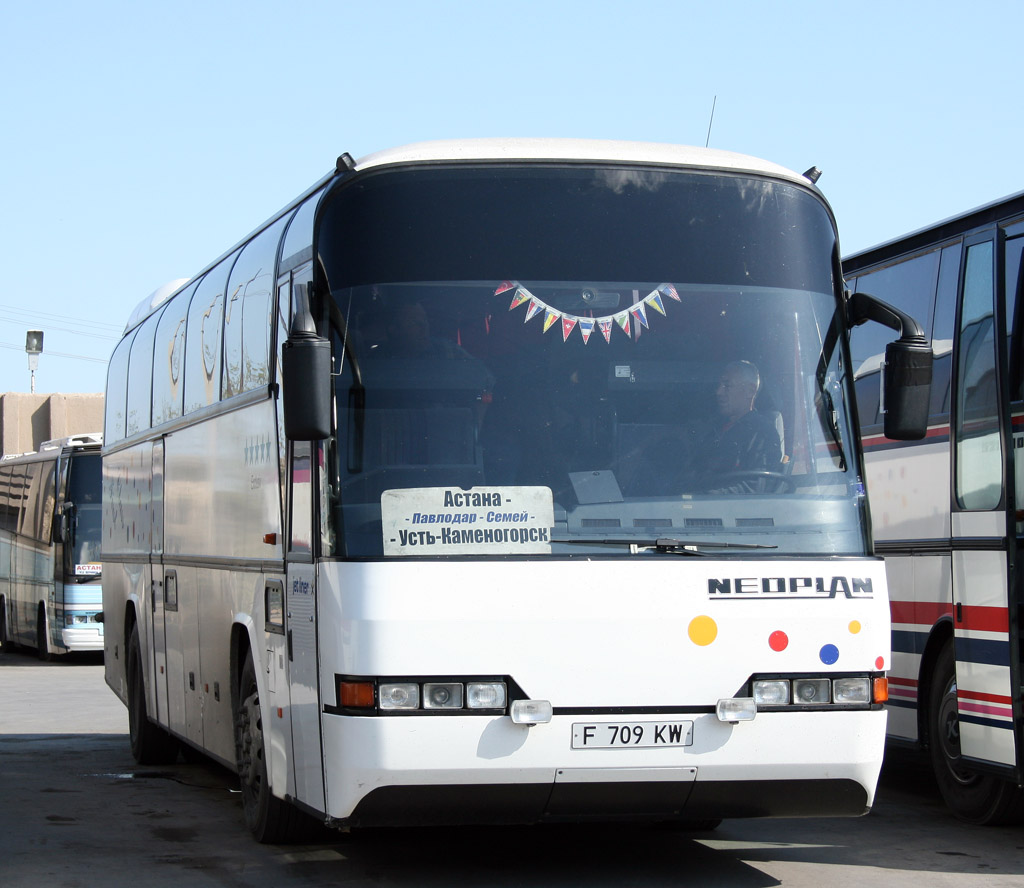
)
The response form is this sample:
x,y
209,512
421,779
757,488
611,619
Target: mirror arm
x,y
864,307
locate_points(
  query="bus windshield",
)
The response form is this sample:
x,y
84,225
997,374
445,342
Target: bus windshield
x,y
580,361
84,486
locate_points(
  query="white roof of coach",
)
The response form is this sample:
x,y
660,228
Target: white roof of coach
x,y
463,150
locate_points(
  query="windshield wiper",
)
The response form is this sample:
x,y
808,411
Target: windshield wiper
x,y
667,545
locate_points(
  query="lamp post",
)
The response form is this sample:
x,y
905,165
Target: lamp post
x,y
33,348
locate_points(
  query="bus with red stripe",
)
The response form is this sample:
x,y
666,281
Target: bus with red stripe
x,y
948,510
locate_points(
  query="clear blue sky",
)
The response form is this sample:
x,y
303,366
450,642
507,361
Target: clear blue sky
x,y
141,140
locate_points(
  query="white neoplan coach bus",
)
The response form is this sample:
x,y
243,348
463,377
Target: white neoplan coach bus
x,y
419,506
50,592
948,510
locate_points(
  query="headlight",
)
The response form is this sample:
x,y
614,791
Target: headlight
x,y
851,690
771,692
442,695
405,695
485,695
811,691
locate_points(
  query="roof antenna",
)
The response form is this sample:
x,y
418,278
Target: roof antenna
x,y
813,174
710,122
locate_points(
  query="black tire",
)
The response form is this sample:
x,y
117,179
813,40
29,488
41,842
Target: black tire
x,y
973,797
269,819
151,744
5,644
42,642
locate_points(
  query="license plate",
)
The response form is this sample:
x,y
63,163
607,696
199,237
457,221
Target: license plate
x,y
631,735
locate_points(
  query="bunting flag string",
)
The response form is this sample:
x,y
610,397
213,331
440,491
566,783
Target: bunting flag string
x,y
569,322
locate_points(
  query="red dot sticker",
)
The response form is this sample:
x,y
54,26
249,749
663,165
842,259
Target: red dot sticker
x,y
778,641
880,663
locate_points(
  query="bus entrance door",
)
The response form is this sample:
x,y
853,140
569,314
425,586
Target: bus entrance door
x,y
983,686
301,632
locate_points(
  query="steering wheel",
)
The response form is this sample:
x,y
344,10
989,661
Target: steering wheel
x,y
786,481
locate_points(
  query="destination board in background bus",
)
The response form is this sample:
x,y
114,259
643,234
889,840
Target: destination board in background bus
x,y
50,583
947,510
418,505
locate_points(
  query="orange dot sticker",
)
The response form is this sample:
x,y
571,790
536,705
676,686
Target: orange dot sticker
x,y
703,630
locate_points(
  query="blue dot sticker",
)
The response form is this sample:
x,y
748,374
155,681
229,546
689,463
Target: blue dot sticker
x,y
829,654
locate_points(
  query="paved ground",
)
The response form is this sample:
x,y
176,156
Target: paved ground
x,y
76,810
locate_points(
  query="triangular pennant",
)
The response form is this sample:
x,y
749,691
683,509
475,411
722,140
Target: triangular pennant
x,y
622,320
586,328
534,309
519,298
654,300
605,326
670,291
639,312
550,318
504,287
568,322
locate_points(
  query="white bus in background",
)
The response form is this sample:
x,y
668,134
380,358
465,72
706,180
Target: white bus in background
x,y
50,590
948,510
404,516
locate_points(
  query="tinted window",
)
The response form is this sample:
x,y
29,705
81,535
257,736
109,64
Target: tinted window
x,y
545,224
203,340
115,403
140,377
169,358
979,457
1013,284
942,328
299,238
908,285
248,314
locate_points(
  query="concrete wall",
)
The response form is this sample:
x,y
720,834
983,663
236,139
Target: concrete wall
x,y
28,420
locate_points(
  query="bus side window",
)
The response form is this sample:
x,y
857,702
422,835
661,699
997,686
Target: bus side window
x,y
300,539
203,339
115,406
140,378
247,314
942,329
169,358
978,455
1013,283
7,522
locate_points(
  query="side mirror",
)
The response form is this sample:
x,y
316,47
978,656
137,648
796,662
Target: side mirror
x,y
306,387
907,372
306,376
907,392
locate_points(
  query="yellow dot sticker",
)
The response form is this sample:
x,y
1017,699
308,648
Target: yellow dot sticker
x,y
703,630
855,627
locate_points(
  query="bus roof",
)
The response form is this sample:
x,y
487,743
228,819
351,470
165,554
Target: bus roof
x,y
584,150
932,234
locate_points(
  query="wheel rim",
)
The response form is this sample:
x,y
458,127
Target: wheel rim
x,y
948,725
250,736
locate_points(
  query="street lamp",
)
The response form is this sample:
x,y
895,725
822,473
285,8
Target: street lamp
x,y
33,348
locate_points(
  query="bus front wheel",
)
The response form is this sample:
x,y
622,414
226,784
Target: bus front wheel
x,y
151,744
270,819
973,797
